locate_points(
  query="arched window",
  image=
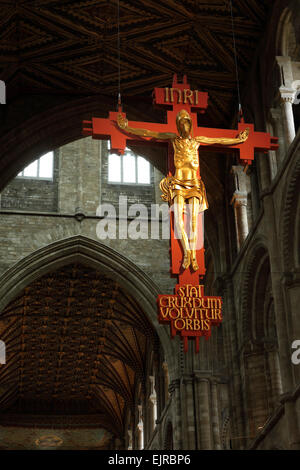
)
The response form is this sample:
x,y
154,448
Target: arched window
x,y
129,168
261,367
42,168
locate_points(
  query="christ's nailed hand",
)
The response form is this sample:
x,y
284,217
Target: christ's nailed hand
x,y
243,135
122,122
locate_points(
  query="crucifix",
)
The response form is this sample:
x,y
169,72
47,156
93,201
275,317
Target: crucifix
x,y
183,184
189,312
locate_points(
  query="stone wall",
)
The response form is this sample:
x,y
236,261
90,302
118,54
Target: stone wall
x,y
80,185
32,194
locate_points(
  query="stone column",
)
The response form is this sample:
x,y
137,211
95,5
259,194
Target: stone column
x,y
153,400
239,202
233,362
188,413
215,417
174,390
140,427
166,381
203,413
276,385
276,115
287,95
287,98
129,439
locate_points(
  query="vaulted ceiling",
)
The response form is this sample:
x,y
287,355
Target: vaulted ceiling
x,y
76,349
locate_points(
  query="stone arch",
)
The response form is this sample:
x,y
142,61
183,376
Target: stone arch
x,y
258,339
262,296
256,255
290,224
50,130
286,36
98,256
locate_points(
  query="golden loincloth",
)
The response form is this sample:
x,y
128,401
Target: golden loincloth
x,y
171,187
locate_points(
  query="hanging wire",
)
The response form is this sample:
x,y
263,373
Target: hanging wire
x,y
119,58
235,61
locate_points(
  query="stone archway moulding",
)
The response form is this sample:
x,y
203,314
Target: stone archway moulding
x,y
98,256
289,220
257,252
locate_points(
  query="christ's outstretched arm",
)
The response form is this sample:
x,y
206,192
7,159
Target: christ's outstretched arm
x,y
123,124
243,135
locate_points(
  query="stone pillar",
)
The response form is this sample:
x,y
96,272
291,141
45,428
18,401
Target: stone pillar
x,y
153,400
174,390
276,385
166,381
239,202
202,394
276,115
140,427
278,293
196,405
215,417
233,362
287,95
287,98
255,197
129,439
188,413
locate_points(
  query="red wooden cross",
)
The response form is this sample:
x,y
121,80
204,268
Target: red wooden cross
x,y
173,99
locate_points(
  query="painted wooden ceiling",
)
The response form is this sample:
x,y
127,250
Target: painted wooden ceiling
x,y
76,349
70,47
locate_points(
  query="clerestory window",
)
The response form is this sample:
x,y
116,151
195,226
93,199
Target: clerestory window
x,y
129,168
42,168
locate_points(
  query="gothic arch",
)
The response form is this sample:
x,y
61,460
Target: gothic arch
x,y
88,252
258,256
260,371
284,31
51,129
290,224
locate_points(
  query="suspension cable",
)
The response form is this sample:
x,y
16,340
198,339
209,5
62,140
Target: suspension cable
x,y
236,62
119,59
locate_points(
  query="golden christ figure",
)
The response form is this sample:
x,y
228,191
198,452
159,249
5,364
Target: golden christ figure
x,y
185,186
